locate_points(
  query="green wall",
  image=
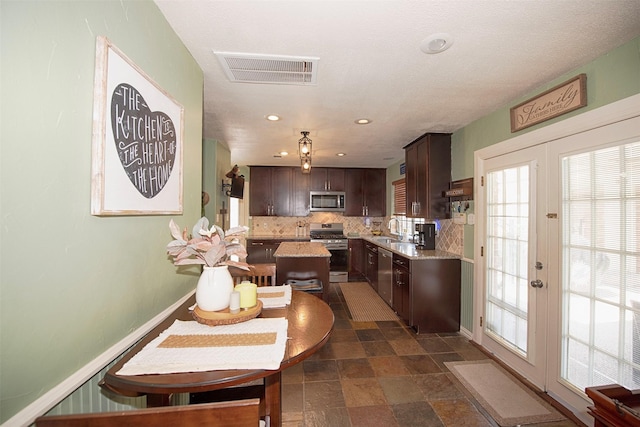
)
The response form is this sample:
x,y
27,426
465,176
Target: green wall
x,y
72,285
209,159
216,162
611,77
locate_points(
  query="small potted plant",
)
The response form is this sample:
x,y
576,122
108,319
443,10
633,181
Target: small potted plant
x,y
215,250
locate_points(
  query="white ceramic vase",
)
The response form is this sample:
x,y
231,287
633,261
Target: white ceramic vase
x,y
214,288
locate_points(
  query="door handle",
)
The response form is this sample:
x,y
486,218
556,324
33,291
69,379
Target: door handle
x,y
537,283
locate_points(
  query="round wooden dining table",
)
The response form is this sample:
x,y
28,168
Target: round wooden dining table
x,y
310,322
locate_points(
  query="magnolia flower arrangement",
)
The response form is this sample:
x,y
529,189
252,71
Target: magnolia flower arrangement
x,y
208,246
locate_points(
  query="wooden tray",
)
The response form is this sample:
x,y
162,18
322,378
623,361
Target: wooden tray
x,y
224,317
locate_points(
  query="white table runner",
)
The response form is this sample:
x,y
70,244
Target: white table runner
x,y
205,348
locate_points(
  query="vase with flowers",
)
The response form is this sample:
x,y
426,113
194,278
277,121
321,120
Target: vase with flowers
x,y
215,250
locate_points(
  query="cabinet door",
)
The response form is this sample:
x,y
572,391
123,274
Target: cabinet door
x,y
439,175
356,257
335,179
401,283
260,251
411,164
354,197
365,192
422,178
402,287
300,193
318,179
428,173
260,191
327,179
371,265
281,190
375,192
416,162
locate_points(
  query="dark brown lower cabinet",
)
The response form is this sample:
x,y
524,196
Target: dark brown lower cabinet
x,y
371,264
435,295
356,259
401,281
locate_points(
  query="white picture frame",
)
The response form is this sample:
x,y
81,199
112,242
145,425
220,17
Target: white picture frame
x,y
137,141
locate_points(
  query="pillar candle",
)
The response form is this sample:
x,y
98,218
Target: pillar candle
x,y
248,294
234,302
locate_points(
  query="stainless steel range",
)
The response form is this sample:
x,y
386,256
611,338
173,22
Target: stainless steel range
x,y
331,235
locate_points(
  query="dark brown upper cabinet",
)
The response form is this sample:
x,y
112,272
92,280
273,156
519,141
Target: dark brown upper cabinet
x,y
270,191
365,192
326,179
428,173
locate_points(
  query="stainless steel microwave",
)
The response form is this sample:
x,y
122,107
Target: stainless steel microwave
x,y
326,201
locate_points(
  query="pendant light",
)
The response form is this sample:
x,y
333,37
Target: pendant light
x,y
304,148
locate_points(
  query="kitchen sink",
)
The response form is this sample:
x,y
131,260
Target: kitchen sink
x,y
385,239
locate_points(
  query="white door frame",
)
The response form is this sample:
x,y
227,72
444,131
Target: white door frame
x,y
608,114
533,365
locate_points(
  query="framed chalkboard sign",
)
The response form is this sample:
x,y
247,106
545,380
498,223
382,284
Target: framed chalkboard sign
x,y
137,140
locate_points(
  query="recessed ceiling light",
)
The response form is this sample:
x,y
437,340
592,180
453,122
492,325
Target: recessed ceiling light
x,y
341,154
363,121
284,153
272,117
436,43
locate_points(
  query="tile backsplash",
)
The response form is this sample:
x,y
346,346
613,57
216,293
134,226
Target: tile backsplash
x,y
449,238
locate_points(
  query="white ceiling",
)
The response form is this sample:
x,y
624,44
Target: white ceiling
x,y
370,65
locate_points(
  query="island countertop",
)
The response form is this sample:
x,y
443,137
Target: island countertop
x,y
291,237
301,250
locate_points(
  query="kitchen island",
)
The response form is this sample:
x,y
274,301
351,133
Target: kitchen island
x,y
303,261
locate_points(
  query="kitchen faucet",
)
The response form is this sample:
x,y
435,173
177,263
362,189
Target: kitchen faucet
x,y
398,227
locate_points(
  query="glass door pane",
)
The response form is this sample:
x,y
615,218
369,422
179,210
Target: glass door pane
x,y
601,267
508,256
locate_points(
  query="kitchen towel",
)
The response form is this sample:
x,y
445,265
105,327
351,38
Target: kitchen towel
x,y
193,347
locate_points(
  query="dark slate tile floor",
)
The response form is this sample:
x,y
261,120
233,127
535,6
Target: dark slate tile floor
x,y
382,374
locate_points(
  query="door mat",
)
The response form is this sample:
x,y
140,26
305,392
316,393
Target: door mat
x,y
507,400
364,304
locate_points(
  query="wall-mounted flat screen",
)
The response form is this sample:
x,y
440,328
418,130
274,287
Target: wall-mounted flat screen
x,y
237,187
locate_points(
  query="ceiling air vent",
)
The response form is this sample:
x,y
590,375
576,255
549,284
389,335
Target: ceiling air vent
x,y
272,69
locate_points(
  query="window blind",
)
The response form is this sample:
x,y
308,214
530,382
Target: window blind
x,y
600,259
399,197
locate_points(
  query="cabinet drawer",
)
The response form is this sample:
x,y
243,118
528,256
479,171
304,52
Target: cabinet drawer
x,y
400,261
260,251
371,247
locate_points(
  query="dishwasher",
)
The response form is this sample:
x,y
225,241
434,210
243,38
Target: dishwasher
x,y
385,259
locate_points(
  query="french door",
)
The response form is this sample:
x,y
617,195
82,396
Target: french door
x,y
558,257
514,260
595,338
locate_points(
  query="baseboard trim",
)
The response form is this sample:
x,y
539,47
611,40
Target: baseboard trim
x,y
51,398
466,333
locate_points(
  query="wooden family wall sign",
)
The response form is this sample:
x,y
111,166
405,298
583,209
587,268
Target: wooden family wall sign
x,y
559,100
137,140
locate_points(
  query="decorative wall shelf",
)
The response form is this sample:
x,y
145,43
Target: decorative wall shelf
x,y
460,190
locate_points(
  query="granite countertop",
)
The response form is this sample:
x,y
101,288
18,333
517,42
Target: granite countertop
x,y
301,250
408,249
277,237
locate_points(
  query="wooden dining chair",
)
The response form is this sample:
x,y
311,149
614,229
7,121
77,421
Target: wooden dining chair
x,y
260,274
237,413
